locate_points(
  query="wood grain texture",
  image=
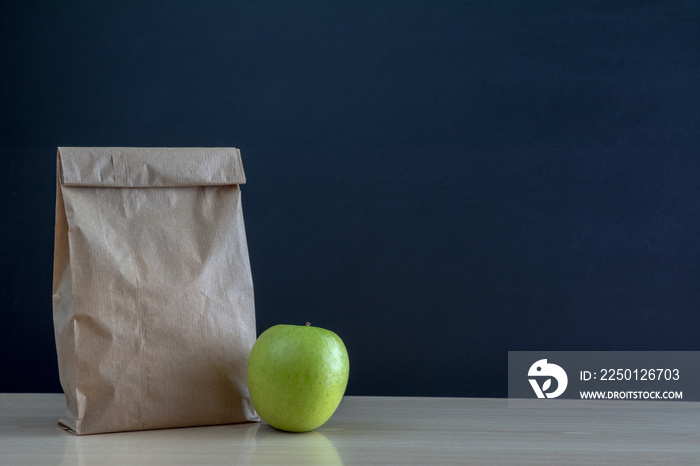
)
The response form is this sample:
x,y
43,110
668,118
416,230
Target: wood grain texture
x,y
376,430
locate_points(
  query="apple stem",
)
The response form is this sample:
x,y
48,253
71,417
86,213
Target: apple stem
x,y
308,324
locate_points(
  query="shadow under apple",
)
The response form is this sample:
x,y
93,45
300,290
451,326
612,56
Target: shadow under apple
x,y
273,446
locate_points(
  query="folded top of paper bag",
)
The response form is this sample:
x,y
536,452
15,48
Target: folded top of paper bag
x,y
132,167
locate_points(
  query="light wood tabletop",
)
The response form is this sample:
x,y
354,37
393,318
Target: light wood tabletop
x,y
376,430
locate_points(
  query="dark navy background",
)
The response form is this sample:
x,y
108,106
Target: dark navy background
x,y
439,182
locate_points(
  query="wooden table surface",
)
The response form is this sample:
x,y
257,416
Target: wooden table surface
x,y
377,430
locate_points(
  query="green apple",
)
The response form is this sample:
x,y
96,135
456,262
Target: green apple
x,y
297,375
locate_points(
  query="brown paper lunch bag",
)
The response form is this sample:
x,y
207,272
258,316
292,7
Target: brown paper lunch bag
x,y
152,292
